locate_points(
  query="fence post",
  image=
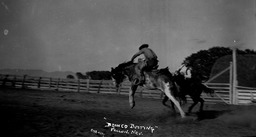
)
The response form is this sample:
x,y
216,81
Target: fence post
x,y
39,82
161,95
78,85
141,92
23,81
119,89
234,82
5,80
230,85
58,84
99,86
50,83
14,82
88,85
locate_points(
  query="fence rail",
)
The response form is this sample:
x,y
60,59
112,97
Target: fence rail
x,y
222,90
246,95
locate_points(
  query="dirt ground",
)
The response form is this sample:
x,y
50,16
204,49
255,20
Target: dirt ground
x,y
35,113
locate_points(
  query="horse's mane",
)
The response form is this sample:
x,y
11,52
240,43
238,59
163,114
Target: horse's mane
x,y
165,71
125,64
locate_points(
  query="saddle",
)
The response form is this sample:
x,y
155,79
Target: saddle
x,y
154,71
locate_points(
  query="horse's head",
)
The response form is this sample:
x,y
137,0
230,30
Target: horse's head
x,y
118,74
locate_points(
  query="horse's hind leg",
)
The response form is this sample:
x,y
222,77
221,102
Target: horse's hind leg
x,y
164,103
168,94
195,102
201,105
193,105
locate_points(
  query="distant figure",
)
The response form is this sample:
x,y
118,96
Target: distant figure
x,y
186,71
148,64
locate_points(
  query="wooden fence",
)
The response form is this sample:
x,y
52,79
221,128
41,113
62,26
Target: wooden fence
x,y
222,90
221,93
246,95
72,85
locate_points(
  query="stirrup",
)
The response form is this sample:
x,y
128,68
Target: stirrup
x,y
136,81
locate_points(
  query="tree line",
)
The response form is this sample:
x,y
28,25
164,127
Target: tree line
x,y
94,75
200,64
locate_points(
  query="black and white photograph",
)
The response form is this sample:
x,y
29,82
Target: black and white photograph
x,y
128,68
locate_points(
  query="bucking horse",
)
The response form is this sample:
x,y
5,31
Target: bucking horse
x,y
160,79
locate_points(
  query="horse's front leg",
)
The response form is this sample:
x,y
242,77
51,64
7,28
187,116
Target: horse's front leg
x,y
131,95
166,89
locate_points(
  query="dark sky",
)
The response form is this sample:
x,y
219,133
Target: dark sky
x,y
86,35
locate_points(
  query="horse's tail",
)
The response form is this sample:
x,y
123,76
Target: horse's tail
x,y
207,90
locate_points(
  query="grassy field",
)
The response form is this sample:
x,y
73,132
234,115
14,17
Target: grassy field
x,y
34,113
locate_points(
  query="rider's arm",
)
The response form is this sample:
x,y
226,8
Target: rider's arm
x,y
136,55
